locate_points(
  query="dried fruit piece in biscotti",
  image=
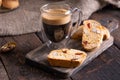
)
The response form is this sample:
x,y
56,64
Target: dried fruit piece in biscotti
x,y
66,57
77,34
92,35
92,23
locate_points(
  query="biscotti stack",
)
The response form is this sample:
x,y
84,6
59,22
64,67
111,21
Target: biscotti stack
x,y
0,2
92,34
10,4
66,57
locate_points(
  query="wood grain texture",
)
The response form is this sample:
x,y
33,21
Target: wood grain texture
x,y
3,73
105,67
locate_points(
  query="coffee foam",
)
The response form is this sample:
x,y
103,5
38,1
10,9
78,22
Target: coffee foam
x,y
56,17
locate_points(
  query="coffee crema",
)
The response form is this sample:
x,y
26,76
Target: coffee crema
x,y
56,24
56,17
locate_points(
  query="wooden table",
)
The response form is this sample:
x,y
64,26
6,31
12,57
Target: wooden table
x,y
104,67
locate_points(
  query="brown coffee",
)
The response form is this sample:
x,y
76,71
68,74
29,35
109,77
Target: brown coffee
x,y
56,26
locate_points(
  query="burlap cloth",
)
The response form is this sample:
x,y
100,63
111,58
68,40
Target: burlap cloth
x,y
26,19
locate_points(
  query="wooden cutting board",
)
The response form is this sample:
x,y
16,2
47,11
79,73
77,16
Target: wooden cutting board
x,y
38,57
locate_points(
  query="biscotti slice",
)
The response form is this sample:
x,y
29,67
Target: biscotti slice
x,y
92,35
66,57
10,4
77,34
106,33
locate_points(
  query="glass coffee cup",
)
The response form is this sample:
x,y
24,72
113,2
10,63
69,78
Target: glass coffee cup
x,y
57,20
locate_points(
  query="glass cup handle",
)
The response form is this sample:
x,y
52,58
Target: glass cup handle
x,y
79,15
75,22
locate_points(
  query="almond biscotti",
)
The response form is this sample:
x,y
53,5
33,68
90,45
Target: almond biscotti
x,y
106,33
77,34
66,57
10,4
92,35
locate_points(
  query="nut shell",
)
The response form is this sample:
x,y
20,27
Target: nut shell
x,y
9,46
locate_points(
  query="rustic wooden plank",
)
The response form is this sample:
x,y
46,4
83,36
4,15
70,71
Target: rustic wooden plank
x,y
116,14
105,67
3,73
15,61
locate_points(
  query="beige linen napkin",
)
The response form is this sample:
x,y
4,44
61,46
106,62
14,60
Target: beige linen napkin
x,y
26,19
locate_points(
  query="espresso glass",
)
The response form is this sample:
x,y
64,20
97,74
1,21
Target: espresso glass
x,y
57,23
